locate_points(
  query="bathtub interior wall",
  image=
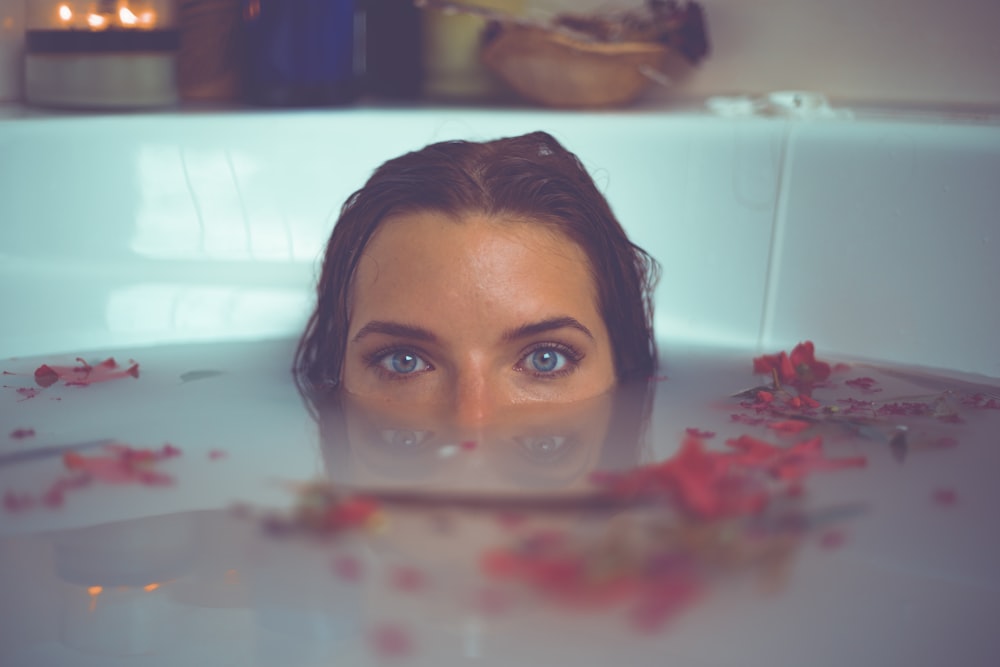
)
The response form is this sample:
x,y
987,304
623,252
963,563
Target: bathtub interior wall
x,y
875,238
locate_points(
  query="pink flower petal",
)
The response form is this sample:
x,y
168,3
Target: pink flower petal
x,y
347,568
169,451
832,539
491,602
27,392
17,502
944,497
391,641
789,426
408,579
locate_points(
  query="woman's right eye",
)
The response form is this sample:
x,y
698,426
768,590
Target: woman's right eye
x,y
402,362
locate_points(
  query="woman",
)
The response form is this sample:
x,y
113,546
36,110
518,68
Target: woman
x,y
469,278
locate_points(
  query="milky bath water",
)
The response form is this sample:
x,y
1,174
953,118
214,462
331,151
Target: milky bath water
x,y
202,508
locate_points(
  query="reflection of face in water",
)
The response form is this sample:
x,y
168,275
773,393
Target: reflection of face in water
x,y
548,448
473,316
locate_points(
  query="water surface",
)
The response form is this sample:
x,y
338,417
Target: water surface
x,y
204,511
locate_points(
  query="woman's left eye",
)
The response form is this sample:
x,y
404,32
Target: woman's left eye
x,y
547,361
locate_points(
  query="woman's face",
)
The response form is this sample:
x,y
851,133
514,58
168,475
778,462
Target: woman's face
x,y
473,316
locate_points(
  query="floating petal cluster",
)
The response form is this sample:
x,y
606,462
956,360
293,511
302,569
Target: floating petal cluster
x,y
118,464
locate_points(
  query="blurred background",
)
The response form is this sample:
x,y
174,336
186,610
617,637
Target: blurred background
x,y
885,52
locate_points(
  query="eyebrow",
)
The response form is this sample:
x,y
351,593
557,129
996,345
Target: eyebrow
x,y
419,333
551,324
395,329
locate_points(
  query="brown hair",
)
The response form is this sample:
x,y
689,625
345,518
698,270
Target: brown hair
x,y
530,177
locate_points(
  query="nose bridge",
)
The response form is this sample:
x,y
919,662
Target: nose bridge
x,y
475,396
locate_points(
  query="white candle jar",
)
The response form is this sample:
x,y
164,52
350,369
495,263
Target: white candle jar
x,y
101,53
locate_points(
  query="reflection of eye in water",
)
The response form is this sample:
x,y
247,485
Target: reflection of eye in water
x,y
404,441
545,448
549,447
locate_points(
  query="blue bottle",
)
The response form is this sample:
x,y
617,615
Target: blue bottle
x,y
301,52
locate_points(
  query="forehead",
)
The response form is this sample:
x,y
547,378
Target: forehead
x,y
429,262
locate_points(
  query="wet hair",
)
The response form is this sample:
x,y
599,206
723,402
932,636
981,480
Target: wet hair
x,y
530,178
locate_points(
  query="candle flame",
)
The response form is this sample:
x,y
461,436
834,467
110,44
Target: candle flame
x,y
127,16
65,13
96,21
147,18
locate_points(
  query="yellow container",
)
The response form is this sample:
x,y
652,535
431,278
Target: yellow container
x,y
452,66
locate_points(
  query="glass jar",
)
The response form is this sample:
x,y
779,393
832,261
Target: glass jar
x,y
101,53
301,52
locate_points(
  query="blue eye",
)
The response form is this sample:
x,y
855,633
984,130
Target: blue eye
x,y
547,360
402,362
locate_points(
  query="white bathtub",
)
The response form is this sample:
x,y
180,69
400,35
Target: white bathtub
x,y
873,234
876,236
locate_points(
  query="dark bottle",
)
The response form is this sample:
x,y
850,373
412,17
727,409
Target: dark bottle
x,y
393,48
301,52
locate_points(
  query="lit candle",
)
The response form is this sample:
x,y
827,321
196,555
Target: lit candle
x,y
102,54
96,21
127,17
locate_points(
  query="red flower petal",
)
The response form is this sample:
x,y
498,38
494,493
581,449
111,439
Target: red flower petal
x,y
499,563
352,512
808,401
54,497
865,384
27,392
789,426
169,451
798,368
45,376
